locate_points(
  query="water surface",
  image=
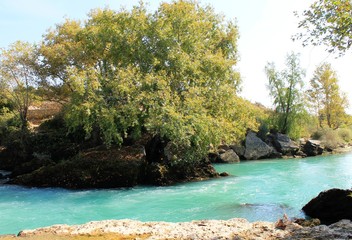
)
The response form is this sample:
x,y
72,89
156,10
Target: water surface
x,y
257,190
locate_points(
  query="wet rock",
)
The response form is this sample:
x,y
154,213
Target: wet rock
x,y
330,206
256,148
313,148
224,174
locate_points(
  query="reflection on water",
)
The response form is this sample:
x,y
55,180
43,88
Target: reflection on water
x,y
261,190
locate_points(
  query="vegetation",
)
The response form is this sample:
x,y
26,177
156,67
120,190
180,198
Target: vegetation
x,y
169,76
327,101
328,22
285,88
123,73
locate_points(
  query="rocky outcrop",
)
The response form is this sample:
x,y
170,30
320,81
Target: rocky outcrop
x,y
224,154
92,168
229,157
163,167
283,144
236,228
313,148
203,229
330,206
340,230
256,148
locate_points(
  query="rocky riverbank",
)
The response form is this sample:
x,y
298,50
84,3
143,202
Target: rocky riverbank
x,y
204,229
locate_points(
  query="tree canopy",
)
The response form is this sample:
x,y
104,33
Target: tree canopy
x,y
171,72
328,22
328,101
285,89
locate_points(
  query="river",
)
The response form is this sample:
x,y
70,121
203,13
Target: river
x,y
256,190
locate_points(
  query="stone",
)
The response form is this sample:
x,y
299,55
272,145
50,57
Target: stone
x,y
256,148
330,206
224,174
284,144
92,168
313,148
239,150
229,157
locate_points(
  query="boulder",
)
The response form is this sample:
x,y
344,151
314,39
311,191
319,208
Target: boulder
x,y
330,206
229,157
284,144
256,148
313,148
239,150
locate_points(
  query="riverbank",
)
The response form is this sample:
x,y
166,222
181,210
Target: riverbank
x,y
128,229
236,228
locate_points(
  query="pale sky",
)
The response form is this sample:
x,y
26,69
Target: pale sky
x,y
266,27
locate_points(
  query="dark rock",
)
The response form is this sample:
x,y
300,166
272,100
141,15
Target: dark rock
x,y
339,230
313,148
256,148
155,149
223,148
239,150
300,154
92,168
157,174
229,157
330,206
214,157
283,144
224,174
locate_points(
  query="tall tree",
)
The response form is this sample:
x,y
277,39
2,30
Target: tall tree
x,y
170,73
285,88
324,93
328,22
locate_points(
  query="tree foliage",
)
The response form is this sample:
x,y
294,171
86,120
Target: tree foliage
x,y
18,78
170,73
285,89
328,22
324,93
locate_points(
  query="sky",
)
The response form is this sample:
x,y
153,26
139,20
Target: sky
x,y
266,28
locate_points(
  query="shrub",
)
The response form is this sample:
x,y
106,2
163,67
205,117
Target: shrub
x,y
345,134
331,139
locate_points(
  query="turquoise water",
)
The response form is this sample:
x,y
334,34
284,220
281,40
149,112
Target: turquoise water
x,y
258,190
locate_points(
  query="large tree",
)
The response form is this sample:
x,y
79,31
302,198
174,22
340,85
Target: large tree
x,y
328,22
325,95
285,88
170,73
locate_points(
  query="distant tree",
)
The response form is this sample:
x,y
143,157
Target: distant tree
x,y
18,78
17,82
324,93
285,88
328,22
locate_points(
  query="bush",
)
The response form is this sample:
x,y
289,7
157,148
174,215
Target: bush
x,y
345,134
331,139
